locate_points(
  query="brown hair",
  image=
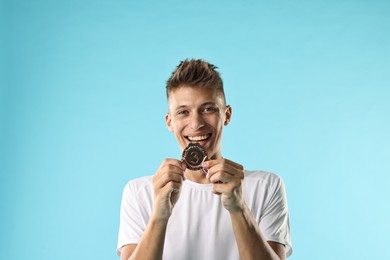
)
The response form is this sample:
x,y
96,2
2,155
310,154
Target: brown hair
x,y
195,73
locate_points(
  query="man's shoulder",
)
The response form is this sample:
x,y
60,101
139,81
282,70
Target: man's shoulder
x,y
139,183
261,177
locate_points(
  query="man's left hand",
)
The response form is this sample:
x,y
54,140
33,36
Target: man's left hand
x,y
227,178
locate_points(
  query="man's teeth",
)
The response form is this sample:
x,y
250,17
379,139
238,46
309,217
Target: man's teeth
x,y
198,138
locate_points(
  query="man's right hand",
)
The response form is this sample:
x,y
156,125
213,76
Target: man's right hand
x,y
167,183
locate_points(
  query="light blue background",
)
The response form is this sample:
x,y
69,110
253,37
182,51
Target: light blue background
x,y
83,105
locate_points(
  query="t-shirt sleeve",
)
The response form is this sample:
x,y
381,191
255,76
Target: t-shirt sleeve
x,y
274,222
131,226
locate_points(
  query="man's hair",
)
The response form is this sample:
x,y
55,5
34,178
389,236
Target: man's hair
x,y
195,73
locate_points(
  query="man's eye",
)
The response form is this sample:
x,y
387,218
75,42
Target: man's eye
x,y
182,112
210,109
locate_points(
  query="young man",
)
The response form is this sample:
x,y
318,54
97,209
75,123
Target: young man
x,y
219,212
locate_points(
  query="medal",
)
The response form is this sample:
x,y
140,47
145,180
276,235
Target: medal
x,y
194,155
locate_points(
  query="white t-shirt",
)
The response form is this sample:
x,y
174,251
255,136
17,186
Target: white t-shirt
x,y
200,227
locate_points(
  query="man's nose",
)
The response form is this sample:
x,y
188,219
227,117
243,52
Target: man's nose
x,y
196,121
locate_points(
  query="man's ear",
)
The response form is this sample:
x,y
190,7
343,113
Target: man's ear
x,y
168,122
228,114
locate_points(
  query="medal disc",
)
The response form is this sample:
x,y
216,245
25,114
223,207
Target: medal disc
x,y
194,155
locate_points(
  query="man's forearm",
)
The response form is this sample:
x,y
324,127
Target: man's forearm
x,y
250,242
152,242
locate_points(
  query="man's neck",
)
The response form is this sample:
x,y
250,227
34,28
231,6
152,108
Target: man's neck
x,y
196,176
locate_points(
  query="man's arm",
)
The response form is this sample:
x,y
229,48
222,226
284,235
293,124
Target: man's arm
x,y
166,185
251,243
151,245
127,251
227,177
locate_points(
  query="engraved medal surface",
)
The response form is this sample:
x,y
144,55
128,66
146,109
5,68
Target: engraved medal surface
x,y
194,155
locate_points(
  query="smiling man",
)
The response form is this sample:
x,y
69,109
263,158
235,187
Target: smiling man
x,y
219,212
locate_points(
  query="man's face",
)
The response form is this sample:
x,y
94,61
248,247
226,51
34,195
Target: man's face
x,y
198,115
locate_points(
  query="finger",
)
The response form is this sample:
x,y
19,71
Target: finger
x,y
169,189
168,176
211,163
226,188
223,170
221,188
175,162
221,177
171,165
217,189
172,186
168,171
167,180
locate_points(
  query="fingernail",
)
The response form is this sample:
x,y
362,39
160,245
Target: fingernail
x,y
205,165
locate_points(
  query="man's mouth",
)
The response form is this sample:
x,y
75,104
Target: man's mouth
x,y
198,138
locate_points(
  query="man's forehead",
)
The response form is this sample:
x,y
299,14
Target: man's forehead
x,y
189,105
176,103
186,94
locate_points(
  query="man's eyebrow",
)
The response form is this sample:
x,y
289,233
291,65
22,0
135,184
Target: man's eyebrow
x,y
180,107
209,103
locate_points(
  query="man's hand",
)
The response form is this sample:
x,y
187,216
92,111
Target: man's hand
x,y
227,178
167,183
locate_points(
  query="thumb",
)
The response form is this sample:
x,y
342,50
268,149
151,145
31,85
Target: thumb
x,y
175,196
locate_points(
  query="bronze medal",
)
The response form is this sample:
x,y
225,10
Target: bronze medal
x,y
194,155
